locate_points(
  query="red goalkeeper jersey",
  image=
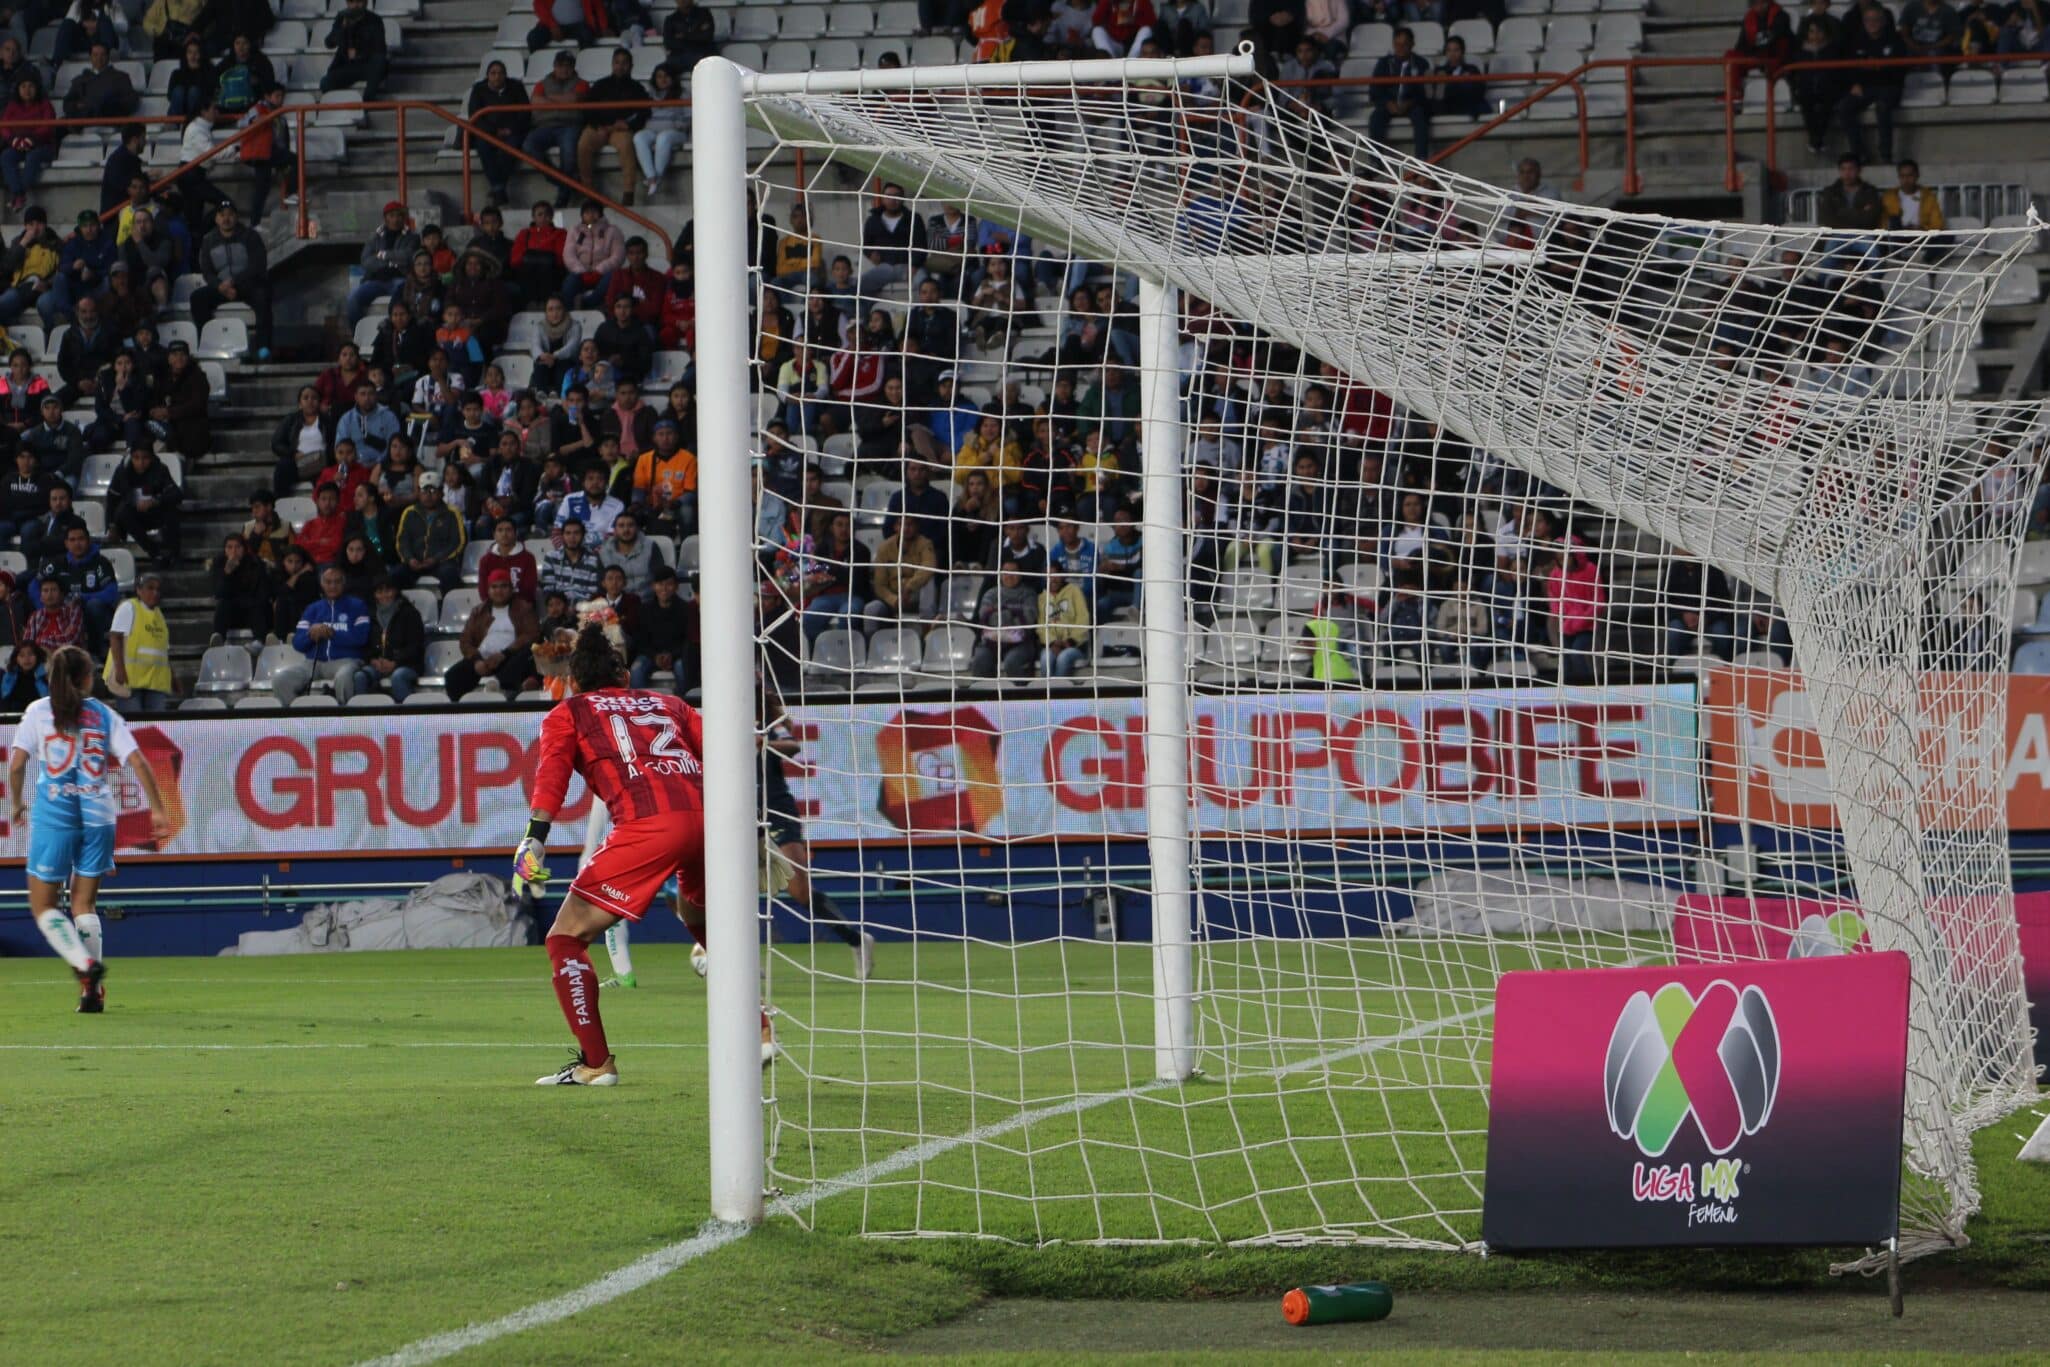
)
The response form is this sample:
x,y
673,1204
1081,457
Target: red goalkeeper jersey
x,y
641,754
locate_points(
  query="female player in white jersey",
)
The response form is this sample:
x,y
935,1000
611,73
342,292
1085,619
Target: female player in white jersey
x,y
75,742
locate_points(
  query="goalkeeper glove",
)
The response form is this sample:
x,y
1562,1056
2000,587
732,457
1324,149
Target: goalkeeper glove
x,y
530,866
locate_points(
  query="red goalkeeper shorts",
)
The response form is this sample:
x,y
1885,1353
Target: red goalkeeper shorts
x,y
633,863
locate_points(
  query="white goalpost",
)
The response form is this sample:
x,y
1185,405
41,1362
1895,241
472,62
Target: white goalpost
x,y
1242,590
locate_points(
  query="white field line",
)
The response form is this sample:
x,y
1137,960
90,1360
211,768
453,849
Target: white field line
x,y
654,1266
328,1044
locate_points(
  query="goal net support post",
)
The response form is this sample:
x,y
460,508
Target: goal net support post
x,y
1635,365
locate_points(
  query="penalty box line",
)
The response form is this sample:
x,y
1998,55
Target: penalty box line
x,y
713,1237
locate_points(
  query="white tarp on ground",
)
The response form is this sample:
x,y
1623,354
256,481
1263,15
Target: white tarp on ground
x,y
1465,902
457,911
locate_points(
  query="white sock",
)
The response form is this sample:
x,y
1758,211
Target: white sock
x,y
88,923
63,937
616,950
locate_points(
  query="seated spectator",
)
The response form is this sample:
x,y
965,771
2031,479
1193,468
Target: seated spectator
x,y
394,644
556,124
1851,202
25,496
123,165
385,259
1009,619
2026,27
421,290
244,75
59,619
1404,100
357,37
1328,21
1461,99
14,610
377,524
82,268
102,90
86,577
1878,88
403,348
482,301
557,342
663,641
1308,63
1063,625
180,419
1574,595
635,555
143,503
614,127
430,539
31,140
1118,564
901,575
1765,40
361,567
26,677
152,252
294,587
23,391
237,271
638,282
892,242
29,269
369,425
57,442
497,642
301,442
971,529
87,24
572,567
46,533
265,532
138,669
331,634
592,505
1911,204
626,343
1931,28
582,22
397,477
508,554
499,89
242,591
321,535
1070,27
665,483
121,401
194,82
687,35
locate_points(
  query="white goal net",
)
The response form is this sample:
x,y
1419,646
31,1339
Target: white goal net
x,y
1225,592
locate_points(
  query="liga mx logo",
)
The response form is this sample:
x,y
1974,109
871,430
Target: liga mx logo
x,y
1715,1057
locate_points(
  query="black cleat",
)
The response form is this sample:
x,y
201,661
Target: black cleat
x,y
92,992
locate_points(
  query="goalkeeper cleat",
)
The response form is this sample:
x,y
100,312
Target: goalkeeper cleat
x,y
697,960
576,1073
865,957
622,980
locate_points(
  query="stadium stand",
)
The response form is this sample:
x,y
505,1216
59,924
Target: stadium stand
x,y
1950,121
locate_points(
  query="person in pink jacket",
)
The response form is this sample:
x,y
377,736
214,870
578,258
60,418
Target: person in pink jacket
x,y
1573,587
593,250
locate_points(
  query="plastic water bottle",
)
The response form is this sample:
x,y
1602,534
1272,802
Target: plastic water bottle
x,y
1332,1304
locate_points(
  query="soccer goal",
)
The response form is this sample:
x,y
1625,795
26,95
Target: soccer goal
x,y
1238,591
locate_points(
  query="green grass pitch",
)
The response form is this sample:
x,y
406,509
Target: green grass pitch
x,y
383,1169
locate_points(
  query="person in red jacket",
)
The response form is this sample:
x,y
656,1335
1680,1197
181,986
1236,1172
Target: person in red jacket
x,y
537,254
638,281
1766,40
1121,26
582,22
321,537
678,329
506,554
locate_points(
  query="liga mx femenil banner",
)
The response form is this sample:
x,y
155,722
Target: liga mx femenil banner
x,y
324,784
1281,764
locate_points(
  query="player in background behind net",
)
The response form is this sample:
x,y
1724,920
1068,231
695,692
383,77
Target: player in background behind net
x,y
76,742
641,754
790,857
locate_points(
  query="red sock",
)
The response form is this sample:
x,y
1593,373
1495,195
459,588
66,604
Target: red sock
x,y
576,989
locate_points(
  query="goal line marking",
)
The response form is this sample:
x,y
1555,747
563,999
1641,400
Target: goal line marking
x,y
654,1266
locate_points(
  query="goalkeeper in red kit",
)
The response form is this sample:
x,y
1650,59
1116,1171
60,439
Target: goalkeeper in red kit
x,y
641,754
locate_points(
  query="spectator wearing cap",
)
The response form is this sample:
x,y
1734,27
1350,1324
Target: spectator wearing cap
x,y
237,271
498,640
143,502
138,669
331,634
31,138
663,638
395,646
57,442
181,417
582,22
950,420
102,90
430,539
29,267
81,269
665,482
385,259
556,121
614,126
357,37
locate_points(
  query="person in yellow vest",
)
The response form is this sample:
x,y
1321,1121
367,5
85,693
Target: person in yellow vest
x,y
139,650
